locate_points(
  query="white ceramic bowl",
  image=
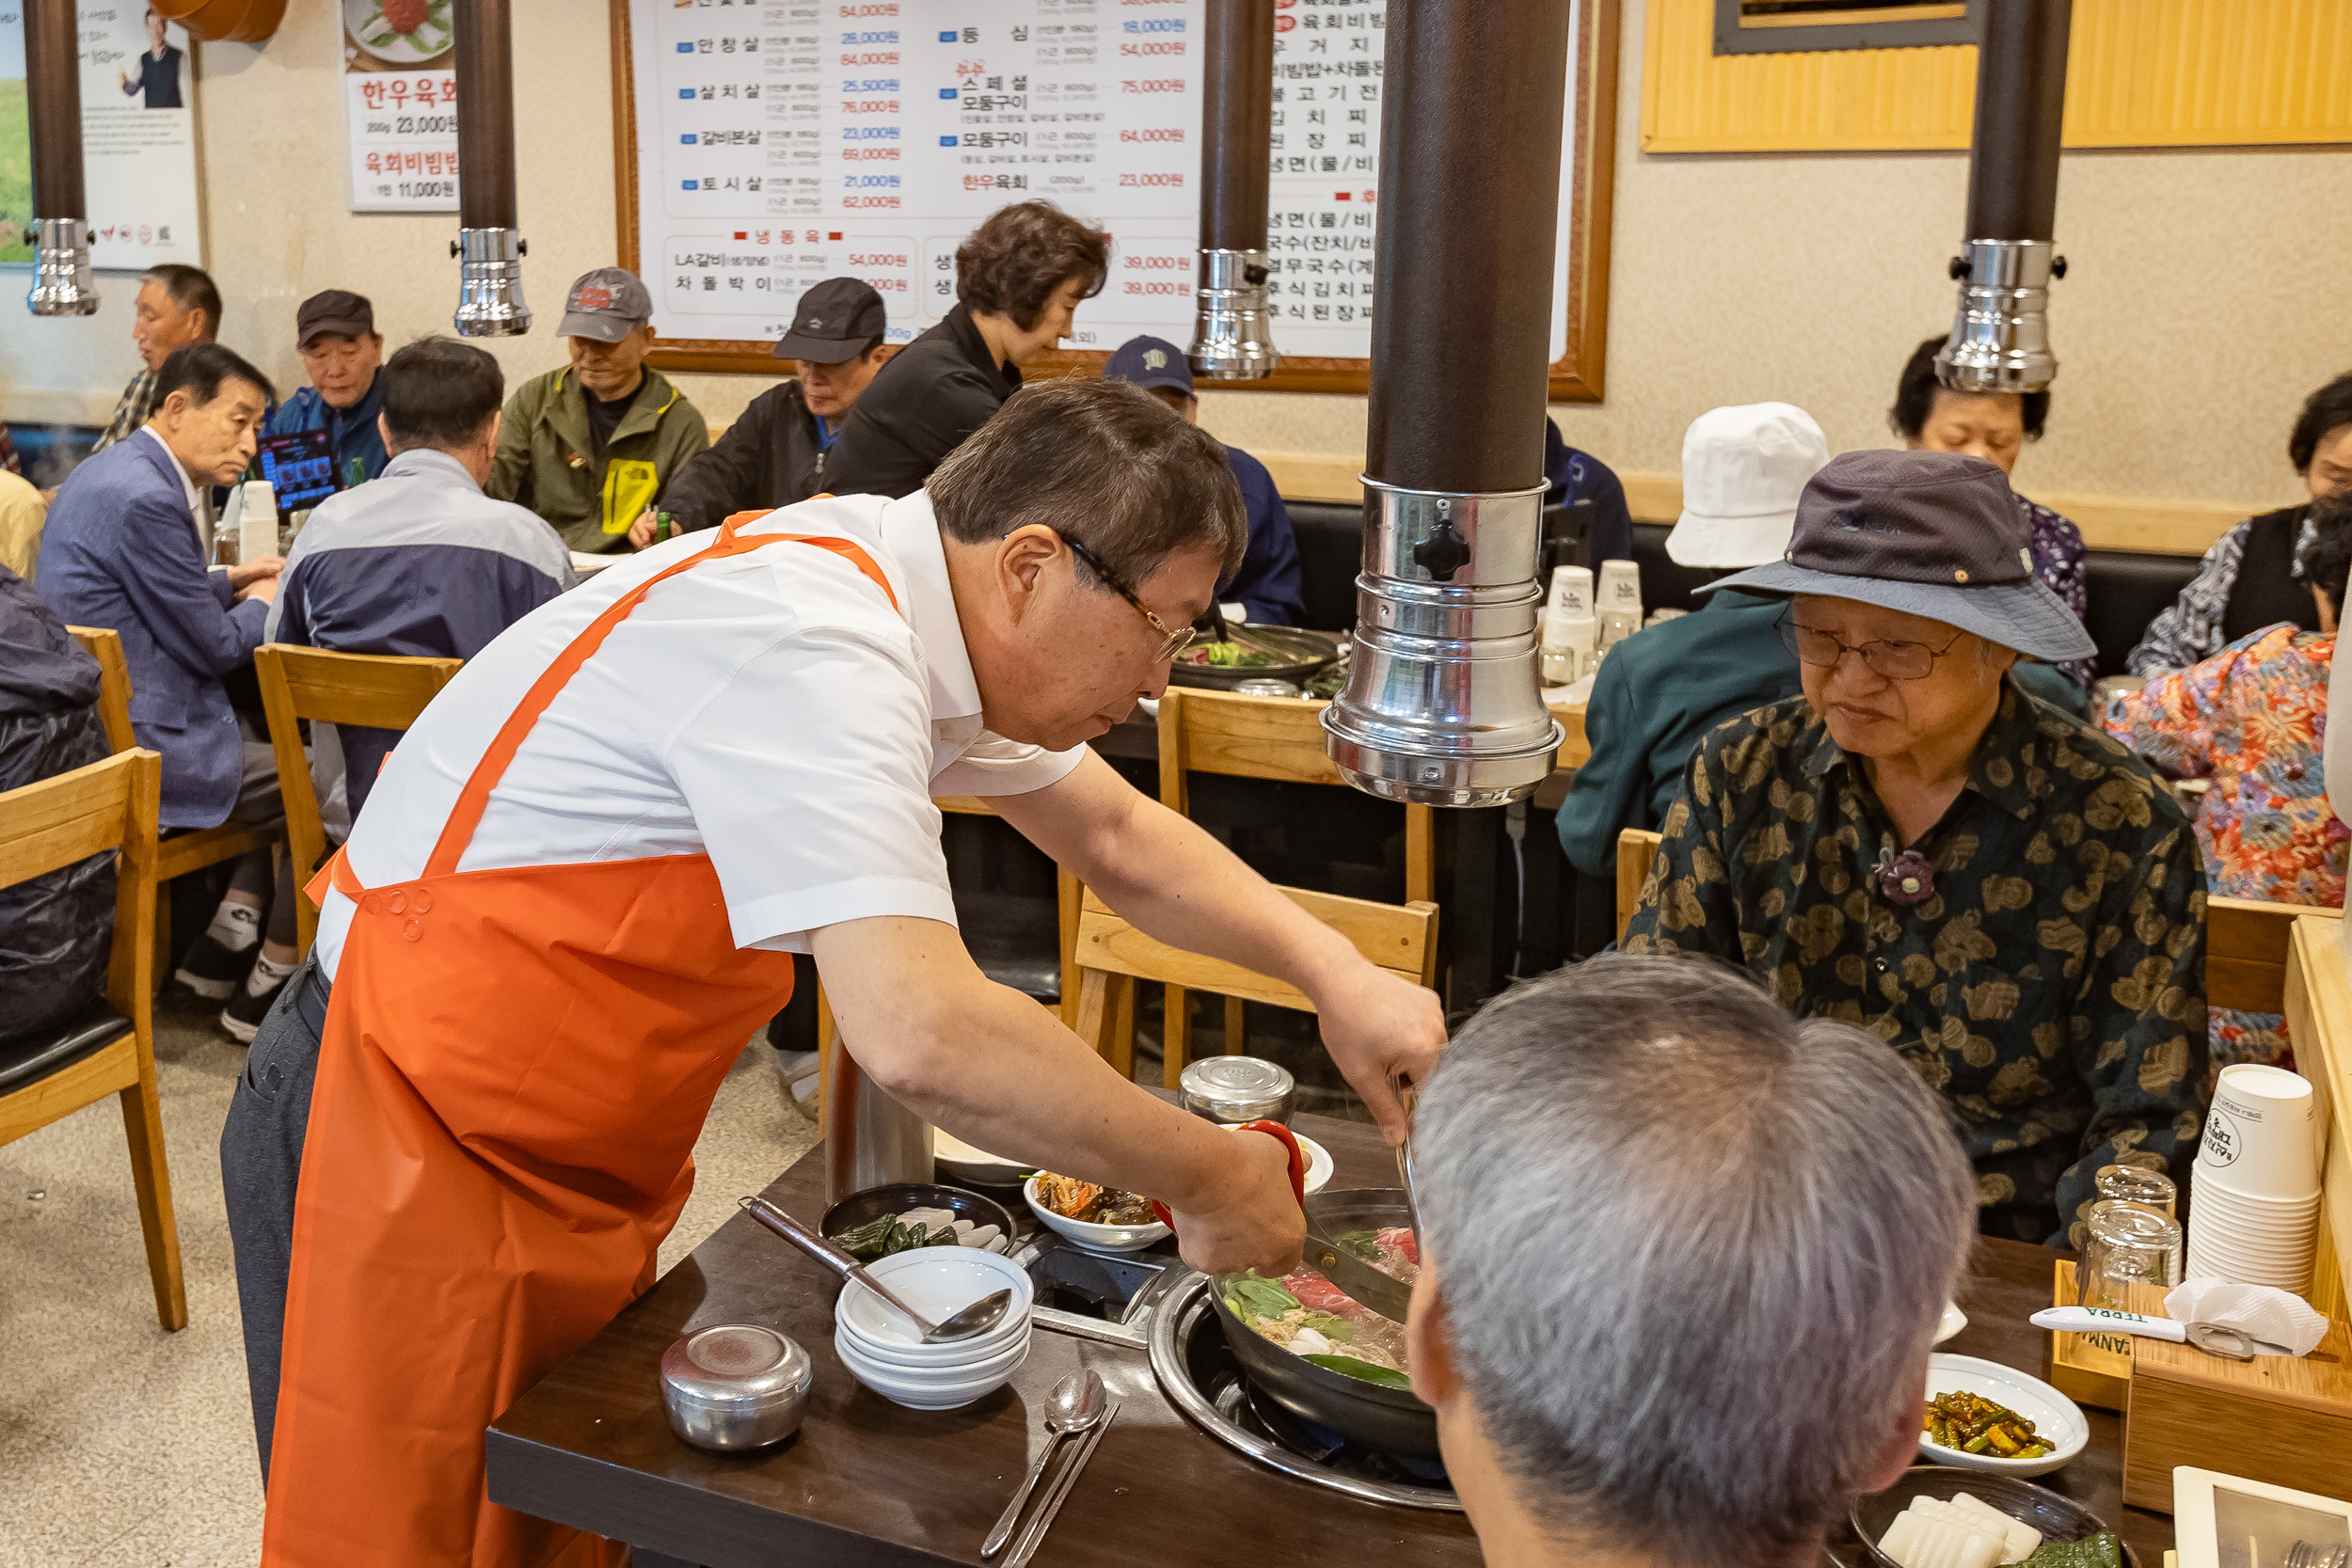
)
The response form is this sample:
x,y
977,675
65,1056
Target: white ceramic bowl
x,y
927,1390
1319,1166
1095,1237
1001,1357
2054,1416
937,1282
1953,1320
965,1163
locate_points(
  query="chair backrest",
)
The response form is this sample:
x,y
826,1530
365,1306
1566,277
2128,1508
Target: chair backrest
x,y
1636,849
104,645
1066,889
1400,938
2246,952
108,806
1268,737
378,691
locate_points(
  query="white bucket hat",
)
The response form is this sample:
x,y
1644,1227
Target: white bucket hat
x,y
1742,470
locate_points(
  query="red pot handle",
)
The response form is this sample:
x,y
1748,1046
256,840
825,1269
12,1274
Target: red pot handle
x,y
1288,1139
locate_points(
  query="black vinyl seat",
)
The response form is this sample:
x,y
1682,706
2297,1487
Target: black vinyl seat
x,y
86,1033
1015,939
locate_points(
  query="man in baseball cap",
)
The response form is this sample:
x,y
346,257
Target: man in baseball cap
x,y
1265,588
1915,844
774,454
592,445
341,353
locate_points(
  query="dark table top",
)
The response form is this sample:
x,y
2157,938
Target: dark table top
x,y
867,1483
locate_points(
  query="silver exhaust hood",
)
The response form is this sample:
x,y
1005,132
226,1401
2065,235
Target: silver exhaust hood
x,y
62,285
1232,337
489,247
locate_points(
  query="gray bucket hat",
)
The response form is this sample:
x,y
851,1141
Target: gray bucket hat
x,y
1931,533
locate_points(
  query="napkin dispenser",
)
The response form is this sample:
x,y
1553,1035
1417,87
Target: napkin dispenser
x,y
2289,1418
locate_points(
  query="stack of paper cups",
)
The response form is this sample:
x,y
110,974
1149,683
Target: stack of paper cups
x,y
2254,1215
257,522
1620,602
1569,632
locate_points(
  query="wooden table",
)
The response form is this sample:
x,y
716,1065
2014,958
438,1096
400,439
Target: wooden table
x,y
869,1484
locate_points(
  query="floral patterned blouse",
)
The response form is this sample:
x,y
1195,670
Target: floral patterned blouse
x,y
2253,719
2061,561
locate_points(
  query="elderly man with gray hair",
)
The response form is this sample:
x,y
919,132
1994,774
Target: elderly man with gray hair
x,y
1682,1256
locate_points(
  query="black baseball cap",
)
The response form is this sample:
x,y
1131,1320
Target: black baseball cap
x,y
333,313
836,319
1150,362
1932,533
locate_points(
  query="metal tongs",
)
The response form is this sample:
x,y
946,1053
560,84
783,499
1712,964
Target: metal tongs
x,y
1329,1214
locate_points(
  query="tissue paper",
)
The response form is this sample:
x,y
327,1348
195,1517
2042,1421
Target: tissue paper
x,y
2279,1316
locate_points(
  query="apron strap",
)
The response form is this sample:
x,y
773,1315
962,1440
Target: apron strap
x,y
463,818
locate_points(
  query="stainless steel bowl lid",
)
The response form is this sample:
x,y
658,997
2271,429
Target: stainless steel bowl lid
x,y
1263,687
734,1364
1251,1079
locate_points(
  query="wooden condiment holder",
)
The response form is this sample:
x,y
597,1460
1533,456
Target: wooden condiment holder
x,y
2285,1420
2093,1370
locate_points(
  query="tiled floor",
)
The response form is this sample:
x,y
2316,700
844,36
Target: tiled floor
x,y
124,1446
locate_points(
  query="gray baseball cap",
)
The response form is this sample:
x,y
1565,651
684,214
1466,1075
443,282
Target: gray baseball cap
x,y
608,305
1932,533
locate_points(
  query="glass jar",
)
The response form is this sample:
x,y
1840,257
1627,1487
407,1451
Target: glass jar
x,y
2136,1185
2130,1244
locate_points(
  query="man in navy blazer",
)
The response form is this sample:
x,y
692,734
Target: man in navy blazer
x,y
123,549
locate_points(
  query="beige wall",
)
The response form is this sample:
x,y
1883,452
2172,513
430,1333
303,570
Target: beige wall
x,y
2205,300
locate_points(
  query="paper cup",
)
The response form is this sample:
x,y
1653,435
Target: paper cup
x,y
2262,1136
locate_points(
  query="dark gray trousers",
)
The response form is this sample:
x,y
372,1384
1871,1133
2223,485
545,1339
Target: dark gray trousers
x,y
260,1159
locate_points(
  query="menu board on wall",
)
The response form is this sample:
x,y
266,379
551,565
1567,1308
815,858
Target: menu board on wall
x,y
768,144
400,105
138,137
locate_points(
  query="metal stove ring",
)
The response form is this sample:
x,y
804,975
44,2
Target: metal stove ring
x,y
1186,1303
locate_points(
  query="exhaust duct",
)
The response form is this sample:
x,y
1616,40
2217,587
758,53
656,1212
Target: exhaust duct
x,y
488,248
1442,705
53,81
1231,336
2000,339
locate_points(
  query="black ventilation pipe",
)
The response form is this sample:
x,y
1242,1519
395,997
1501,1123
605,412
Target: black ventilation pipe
x,y
489,250
2000,338
1233,338
52,84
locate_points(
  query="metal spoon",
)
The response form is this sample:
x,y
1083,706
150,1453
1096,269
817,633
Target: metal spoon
x,y
1075,1404
979,1318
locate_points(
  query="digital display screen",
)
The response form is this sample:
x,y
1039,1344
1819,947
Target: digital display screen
x,y
300,469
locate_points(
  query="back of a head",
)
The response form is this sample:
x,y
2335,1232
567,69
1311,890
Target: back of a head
x,y
439,392
201,370
191,288
1692,1251
1100,461
1014,262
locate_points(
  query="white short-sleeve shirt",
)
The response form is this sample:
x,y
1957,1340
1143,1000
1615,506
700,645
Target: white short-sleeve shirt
x,y
770,710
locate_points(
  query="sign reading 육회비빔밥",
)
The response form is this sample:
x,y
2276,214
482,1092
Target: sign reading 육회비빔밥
x,y
400,105
781,142
138,137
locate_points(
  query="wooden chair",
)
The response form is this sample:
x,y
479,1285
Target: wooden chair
x,y
1259,738
109,1047
1113,955
1636,849
178,853
379,691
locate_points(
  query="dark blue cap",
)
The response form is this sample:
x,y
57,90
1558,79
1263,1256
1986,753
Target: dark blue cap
x,y
1150,362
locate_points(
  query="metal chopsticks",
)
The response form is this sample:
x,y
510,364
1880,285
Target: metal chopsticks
x,y
1044,1519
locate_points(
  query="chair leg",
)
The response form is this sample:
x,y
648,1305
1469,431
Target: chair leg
x,y
1236,1040
1176,1037
824,1048
162,975
1123,1052
143,1125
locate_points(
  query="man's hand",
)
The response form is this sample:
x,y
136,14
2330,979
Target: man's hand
x,y
1377,1028
255,570
641,532
263,588
1252,1220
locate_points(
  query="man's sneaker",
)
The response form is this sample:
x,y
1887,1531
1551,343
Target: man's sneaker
x,y
243,1016
797,1071
212,970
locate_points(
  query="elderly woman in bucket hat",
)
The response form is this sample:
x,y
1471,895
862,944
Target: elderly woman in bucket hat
x,y
2000,893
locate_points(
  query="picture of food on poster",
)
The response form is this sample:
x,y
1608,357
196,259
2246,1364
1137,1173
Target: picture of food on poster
x,y
138,137
400,105
780,144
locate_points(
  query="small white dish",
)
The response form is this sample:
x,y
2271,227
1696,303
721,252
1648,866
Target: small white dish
x,y
1953,1322
965,1163
2055,1416
938,1282
1094,1238
927,1390
1319,1166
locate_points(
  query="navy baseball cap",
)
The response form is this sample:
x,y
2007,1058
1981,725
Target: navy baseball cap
x,y
835,321
1150,362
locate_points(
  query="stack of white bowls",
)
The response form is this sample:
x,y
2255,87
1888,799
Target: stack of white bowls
x,y
2253,1216
886,1353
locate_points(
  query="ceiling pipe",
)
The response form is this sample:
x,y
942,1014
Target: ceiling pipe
x,y
488,248
1443,704
2000,337
52,81
1233,337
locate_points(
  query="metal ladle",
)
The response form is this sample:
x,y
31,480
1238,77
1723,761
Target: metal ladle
x,y
1075,1407
979,1318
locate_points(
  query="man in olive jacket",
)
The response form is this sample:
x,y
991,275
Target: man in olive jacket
x,y
592,445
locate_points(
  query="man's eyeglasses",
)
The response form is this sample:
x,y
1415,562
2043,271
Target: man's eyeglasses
x,y
1895,661
1176,639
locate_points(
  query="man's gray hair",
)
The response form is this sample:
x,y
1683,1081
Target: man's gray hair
x,y
1693,1252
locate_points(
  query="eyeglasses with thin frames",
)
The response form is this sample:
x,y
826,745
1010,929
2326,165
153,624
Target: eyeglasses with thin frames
x,y
1176,639
1894,660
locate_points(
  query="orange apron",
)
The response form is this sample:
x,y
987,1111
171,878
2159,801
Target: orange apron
x,y
514,1069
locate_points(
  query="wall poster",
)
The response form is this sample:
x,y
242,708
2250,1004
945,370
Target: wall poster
x,y
400,106
767,144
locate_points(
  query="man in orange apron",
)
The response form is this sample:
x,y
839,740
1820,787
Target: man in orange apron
x,y
574,894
